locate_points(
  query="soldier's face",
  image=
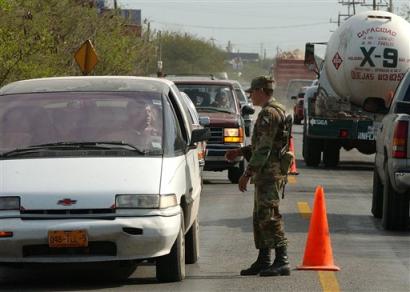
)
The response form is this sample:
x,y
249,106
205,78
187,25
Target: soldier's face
x,y
258,97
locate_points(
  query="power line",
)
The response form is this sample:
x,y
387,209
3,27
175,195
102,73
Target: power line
x,y
242,28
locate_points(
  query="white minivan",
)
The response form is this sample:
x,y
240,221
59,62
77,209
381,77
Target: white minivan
x,y
99,169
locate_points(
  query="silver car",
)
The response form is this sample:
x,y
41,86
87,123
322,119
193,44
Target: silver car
x,y
99,169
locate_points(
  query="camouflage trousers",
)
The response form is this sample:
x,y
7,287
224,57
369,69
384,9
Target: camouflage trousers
x,y
268,226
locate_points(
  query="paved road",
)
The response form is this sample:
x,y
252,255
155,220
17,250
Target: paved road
x,y
370,258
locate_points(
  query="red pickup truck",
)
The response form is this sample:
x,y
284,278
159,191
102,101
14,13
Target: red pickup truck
x,y
218,100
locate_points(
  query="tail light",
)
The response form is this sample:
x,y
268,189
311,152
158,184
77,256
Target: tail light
x,y
344,133
400,139
4,234
201,155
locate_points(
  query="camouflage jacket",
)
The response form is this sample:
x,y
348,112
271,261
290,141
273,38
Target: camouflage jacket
x,y
263,154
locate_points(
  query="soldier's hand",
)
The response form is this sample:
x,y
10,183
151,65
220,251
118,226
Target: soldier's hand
x,y
230,155
243,182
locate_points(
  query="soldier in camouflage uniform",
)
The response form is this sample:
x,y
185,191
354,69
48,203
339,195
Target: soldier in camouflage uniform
x,y
264,169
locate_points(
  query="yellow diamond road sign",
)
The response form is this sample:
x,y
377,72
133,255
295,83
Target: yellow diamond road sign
x,y
86,57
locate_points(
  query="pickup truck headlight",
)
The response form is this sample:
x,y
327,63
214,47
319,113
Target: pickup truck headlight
x,y
145,201
9,203
233,135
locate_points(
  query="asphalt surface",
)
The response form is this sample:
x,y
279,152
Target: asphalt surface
x,y
370,259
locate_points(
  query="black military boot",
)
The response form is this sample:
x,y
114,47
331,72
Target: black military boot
x,y
262,262
280,266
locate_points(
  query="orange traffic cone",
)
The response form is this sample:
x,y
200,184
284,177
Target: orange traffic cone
x,y
293,170
318,251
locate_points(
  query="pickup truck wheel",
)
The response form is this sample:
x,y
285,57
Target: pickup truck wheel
x,y
235,173
192,243
377,198
171,267
311,151
395,208
331,154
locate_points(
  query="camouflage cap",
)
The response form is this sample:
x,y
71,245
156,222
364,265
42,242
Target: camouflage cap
x,y
261,82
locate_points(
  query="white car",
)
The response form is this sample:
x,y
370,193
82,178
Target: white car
x,y
99,169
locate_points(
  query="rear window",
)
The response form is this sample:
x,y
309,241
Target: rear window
x,y
295,86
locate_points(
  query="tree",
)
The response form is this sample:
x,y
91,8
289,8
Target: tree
x,y
187,54
39,39
405,12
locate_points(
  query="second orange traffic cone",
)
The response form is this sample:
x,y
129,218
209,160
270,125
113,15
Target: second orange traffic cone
x,y
318,251
293,170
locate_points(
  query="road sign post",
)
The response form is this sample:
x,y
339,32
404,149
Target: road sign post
x,y
86,57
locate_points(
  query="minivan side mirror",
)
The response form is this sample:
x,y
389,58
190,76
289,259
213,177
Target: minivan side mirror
x,y
199,135
247,110
204,121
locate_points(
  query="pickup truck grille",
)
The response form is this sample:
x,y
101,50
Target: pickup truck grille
x,y
217,135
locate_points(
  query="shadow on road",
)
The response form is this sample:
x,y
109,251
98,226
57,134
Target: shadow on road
x,y
343,165
338,223
56,279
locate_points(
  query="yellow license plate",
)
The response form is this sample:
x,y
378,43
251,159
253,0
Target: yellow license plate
x,y
75,238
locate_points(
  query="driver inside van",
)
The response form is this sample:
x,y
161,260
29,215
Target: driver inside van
x,y
221,100
141,118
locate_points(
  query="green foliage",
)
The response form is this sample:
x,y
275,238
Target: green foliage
x,y
39,39
250,71
405,12
186,54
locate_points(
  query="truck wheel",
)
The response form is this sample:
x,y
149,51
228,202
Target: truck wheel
x,y
235,173
192,243
171,267
377,198
331,154
311,151
395,208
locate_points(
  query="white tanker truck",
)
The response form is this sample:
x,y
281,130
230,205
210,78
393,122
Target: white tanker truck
x,y
365,59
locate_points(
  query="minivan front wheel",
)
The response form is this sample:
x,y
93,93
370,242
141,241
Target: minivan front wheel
x,y
192,243
171,267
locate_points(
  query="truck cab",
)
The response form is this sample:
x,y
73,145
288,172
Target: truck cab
x,y
218,100
391,179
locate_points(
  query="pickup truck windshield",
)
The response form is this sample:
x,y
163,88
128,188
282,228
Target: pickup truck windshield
x,y
133,118
208,97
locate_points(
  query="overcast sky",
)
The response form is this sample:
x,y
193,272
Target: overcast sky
x,y
251,25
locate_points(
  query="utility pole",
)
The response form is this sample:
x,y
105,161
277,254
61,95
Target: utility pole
x,y
344,16
160,67
390,9
377,5
115,4
212,39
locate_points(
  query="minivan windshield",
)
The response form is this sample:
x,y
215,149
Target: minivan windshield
x,y
210,98
60,121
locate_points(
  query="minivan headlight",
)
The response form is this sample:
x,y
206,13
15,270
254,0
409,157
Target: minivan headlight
x,y
9,203
133,201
